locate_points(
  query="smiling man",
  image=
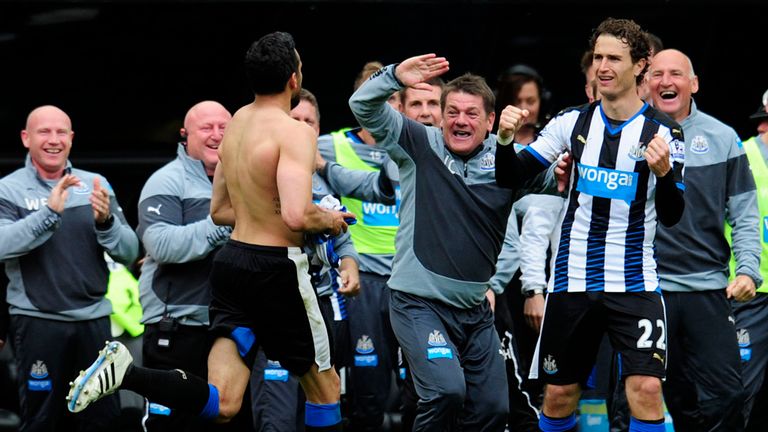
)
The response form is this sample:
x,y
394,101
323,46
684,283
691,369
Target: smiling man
x,y
704,389
423,105
56,222
181,240
438,306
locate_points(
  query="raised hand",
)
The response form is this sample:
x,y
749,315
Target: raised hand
x,y
657,156
563,172
419,69
59,193
510,120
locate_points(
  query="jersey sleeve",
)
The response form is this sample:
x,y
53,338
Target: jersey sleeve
x,y
370,107
742,212
375,186
509,258
21,235
166,237
553,140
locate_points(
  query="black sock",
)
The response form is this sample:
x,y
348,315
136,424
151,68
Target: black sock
x,y
175,389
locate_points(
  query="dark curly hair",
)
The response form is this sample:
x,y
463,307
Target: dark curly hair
x,y
269,63
628,32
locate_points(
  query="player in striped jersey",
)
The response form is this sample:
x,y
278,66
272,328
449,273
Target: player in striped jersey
x,y
628,158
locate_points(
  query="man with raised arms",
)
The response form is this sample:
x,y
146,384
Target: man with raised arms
x,y
261,292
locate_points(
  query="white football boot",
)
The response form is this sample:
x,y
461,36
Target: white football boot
x,y
102,378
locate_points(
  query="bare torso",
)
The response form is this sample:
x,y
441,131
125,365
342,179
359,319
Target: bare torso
x,y
250,156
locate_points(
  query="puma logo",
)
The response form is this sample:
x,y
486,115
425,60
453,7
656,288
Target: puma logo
x,y
151,209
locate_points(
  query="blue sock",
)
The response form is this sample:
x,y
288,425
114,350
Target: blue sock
x,y
636,425
549,424
211,409
320,415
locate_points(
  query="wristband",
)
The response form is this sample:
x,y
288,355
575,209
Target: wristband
x,y
504,141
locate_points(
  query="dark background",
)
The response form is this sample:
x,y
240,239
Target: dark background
x,y
127,71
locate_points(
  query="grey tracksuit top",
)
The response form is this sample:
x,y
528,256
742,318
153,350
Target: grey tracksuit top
x,y
453,216
179,236
693,255
55,262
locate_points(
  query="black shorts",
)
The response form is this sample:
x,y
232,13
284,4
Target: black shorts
x,y
574,324
262,296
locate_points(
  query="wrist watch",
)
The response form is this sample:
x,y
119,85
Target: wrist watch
x,y
530,293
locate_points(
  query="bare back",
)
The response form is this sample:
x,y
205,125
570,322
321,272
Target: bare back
x,y
267,160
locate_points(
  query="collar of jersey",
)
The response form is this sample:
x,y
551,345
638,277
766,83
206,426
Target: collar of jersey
x,y
615,131
353,137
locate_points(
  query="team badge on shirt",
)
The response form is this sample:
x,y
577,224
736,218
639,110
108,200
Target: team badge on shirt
x,y
699,145
81,188
488,162
637,152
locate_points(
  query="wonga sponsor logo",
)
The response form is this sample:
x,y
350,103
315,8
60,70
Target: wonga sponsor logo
x,y
377,214
765,229
438,346
607,183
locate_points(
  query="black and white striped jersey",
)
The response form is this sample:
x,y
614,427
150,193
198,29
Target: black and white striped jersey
x,y
608,228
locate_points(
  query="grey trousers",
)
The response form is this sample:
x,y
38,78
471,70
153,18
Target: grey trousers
x,y
752,333
455,358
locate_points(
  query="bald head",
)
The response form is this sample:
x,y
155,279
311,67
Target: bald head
x,y
204,127
48,137
46,112
672,83
204,109
677,56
